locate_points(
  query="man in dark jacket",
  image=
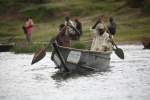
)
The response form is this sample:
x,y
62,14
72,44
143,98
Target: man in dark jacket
x,y
112,27
78,26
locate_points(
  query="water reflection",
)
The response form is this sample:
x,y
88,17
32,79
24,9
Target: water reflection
x,y
64,76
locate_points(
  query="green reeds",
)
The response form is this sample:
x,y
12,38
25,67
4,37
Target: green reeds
x,y
28,48
80,45
32,48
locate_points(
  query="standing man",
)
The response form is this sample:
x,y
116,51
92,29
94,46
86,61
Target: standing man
x,y
101,41
29,28
67,19
112,27
78,26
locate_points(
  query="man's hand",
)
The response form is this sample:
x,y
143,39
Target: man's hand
x,y
99,20
53,39
110,36
69,24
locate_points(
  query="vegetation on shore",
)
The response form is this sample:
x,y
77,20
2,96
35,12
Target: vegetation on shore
x,y
132,21
32,48
26,48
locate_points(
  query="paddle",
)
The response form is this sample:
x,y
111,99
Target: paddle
x,y
118,51
40,54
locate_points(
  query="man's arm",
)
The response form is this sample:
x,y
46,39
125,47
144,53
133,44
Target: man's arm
x,y
80,27
94,26
29,26
55,37
31,23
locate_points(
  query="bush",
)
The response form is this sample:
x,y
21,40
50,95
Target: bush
x,y
26,48
146,6
134,3
143,4
79,45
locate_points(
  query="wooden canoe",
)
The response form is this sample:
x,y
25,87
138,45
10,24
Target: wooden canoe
x,y
7,39
76,60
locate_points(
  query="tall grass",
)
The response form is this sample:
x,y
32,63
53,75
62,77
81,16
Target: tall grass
x,y
80,45
32,48
27,48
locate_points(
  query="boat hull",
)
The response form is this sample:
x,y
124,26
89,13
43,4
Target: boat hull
x,y
81,60
5,48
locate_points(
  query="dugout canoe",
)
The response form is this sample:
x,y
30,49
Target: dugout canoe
x,y
76,60
7,39
5,47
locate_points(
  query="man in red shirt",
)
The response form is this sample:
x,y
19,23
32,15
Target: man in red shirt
x,y
29,28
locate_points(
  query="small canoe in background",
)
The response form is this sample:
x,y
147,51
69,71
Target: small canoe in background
x,y
7,39
6,47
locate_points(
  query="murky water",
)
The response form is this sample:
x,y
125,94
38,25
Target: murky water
x,y
127,79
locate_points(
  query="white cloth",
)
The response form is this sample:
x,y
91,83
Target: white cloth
x,y
69,28
100,42
70,23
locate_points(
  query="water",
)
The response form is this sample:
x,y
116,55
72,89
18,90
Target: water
x,y
126,80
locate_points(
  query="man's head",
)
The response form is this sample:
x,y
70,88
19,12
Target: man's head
x,y
67,18
75,19
100,29
110,19
61,26
27,18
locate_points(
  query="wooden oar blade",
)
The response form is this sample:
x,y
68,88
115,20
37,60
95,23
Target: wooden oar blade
x,y
119,53
38,56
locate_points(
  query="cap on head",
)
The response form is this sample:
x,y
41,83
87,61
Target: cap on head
x,y
100,26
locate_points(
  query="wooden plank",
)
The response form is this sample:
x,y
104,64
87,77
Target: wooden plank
x,y
60,56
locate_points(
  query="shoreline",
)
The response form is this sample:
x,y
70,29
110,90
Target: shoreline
x,y
88,41
121,42
128,42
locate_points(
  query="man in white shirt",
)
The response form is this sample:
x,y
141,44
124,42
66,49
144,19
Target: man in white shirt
x,y
67,19
101,41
